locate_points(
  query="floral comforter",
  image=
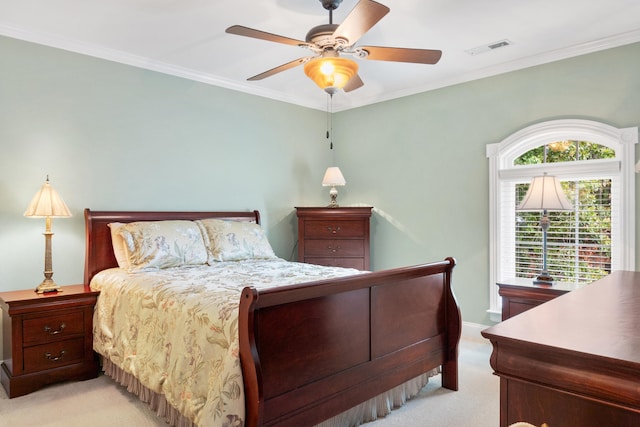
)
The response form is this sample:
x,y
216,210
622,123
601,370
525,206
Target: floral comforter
x,y
176,329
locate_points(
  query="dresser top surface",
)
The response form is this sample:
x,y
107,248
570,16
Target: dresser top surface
x,y
599,320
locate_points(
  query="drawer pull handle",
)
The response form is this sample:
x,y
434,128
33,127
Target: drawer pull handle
x,y
332,249
56,358
333,230
48,329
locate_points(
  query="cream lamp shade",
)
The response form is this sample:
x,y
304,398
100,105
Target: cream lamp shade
x,y
544,194
333,178
47,204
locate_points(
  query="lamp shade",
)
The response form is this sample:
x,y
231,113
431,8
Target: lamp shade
x,y
545,193
331,73
333,177
47,203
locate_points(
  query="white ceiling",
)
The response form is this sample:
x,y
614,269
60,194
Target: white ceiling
x,y
187,38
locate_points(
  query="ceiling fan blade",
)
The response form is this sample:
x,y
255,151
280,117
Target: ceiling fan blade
x,y
354,83
360,20
239,30
401,54
280,68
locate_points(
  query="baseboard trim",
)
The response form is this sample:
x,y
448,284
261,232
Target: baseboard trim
x,y
471,331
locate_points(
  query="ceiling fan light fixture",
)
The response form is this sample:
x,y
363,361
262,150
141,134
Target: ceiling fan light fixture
x,y
331,73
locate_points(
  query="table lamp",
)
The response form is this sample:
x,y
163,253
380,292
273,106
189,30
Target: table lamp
x,y
47,204
332,178
544,194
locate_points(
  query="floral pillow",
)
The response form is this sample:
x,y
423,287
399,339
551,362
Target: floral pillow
x,y
235,240
163,244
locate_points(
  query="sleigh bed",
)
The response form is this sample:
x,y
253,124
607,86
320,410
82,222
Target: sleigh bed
x,y
332,348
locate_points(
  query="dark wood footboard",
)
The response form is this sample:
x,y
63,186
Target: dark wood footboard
x,y
314,350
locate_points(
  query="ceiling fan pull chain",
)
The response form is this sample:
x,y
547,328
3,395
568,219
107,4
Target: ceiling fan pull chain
x,y
330,120
328,124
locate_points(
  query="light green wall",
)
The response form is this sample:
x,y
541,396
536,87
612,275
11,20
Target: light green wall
x,y
117,137
421,161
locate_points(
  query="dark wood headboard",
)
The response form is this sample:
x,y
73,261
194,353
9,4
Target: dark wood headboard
x,y
99,250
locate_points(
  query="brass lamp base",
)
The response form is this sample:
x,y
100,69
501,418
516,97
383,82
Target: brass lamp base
x,y
48,285
543,279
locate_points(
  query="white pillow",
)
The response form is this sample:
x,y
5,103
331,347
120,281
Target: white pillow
x,y
235,240
119,247
163,244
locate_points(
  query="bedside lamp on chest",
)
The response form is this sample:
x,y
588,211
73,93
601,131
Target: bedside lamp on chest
x,y
333,178
47,204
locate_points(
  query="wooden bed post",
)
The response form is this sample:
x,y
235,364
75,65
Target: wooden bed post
x,y
250,360
454,328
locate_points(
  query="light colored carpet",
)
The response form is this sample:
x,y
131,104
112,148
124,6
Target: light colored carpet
x,y
102,403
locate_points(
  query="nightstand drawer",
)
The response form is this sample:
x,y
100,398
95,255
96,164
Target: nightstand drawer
x,y
334,228
52,328
357,263
52,355
334,248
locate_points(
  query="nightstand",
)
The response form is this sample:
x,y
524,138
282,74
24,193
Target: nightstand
x,y
337,237
519,295
47,338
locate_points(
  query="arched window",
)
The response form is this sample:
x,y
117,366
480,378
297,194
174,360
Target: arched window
x,y
594,163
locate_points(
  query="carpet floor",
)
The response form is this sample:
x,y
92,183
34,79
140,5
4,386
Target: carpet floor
x,y
102,403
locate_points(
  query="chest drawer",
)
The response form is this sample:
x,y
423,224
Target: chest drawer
x,y
357,263
52,328
334,248
52,355
319,229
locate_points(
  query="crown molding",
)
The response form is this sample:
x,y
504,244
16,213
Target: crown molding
x,y
121,57
515,65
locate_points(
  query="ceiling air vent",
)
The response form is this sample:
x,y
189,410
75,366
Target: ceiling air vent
x,y
489,47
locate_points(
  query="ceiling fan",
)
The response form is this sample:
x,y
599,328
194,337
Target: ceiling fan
x,y
329,41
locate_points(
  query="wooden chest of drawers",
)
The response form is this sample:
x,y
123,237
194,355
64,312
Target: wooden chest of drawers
x,y
334,236
46,338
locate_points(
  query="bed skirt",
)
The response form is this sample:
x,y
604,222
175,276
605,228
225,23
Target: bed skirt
x,y
370,410
381,405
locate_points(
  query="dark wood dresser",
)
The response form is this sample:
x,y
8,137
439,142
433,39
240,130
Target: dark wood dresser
x,y
47,338
575,360
519,295
334,236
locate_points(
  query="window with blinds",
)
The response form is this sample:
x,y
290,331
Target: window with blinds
x,y
578,242
595,164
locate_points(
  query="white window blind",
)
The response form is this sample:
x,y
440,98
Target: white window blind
x,y
580,243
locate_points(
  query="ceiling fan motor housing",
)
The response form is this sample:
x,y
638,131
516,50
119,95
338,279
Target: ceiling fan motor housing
x,y
330,4
322,36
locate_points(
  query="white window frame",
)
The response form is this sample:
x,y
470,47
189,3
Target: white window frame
x,y
502,155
